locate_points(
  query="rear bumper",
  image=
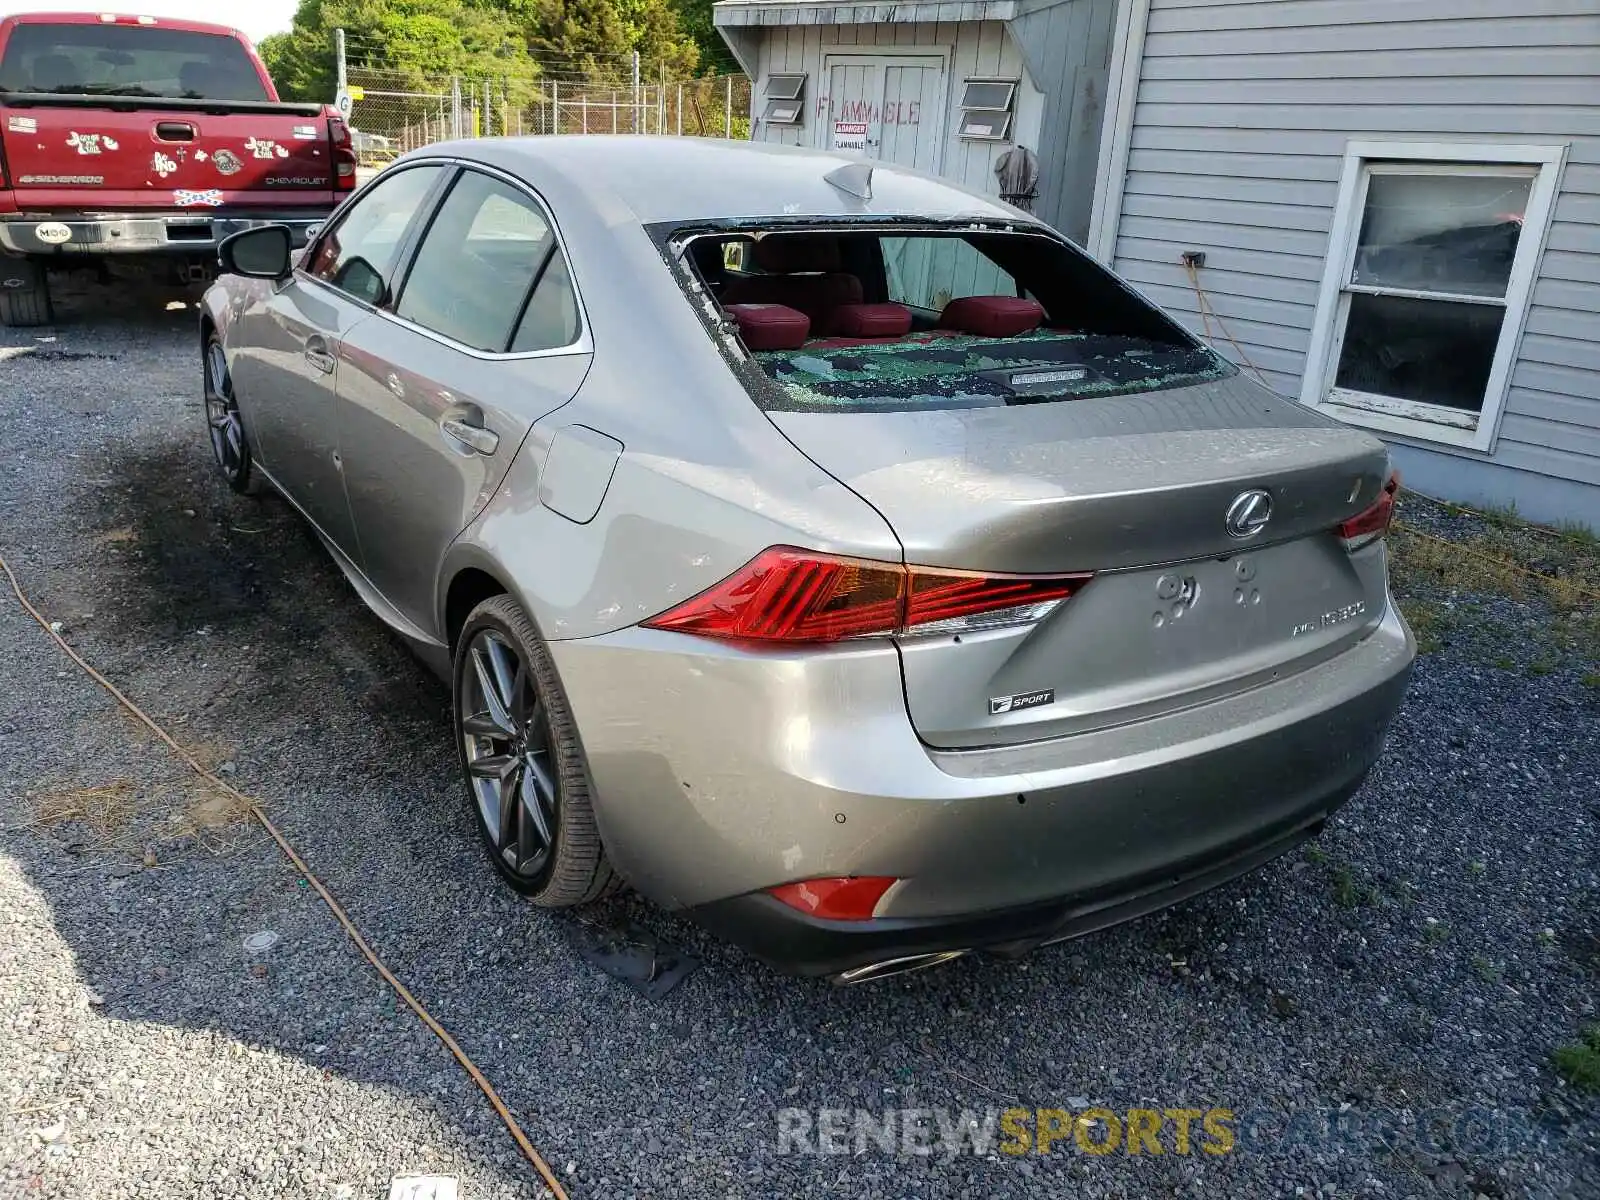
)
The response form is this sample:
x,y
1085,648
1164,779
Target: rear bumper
x,y
803,945
720,773
95,234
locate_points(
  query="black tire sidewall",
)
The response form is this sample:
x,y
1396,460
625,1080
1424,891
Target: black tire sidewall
x,y
246,482
576,871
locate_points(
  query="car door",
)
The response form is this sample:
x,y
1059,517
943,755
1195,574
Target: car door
x,y
293,346
439,390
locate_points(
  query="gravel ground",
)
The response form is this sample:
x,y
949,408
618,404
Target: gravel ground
x,y
1409,974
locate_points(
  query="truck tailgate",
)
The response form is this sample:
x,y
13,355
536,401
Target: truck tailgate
x,y
105,154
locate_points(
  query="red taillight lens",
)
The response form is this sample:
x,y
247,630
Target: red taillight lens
x,y
344,157
851,898
1371,524
789,595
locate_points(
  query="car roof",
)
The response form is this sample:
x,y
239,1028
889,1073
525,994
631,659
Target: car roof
x,y
689,179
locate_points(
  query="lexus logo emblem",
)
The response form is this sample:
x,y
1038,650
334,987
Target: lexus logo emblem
x,y
1249,513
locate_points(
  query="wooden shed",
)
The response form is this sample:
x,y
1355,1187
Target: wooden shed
x,y
947,87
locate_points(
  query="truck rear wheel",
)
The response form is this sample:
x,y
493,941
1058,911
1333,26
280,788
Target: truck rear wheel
x,y
24,295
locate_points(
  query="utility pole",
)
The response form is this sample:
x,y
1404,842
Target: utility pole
x,y
680,110
636,91
338,58
555,106
727,111
455,106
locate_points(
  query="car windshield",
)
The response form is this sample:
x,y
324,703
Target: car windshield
x,y
858,320
128,60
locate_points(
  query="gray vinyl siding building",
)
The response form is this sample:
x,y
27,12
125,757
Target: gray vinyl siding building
x,y
904,67
1278,137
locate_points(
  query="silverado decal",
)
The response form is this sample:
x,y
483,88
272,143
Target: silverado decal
x,y
90,180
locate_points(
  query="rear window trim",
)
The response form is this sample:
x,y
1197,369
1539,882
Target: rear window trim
x,y
673,239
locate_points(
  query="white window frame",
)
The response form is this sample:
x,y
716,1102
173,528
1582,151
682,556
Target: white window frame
x,y
1387,414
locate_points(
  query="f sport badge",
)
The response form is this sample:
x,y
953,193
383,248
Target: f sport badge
x,y
1005,704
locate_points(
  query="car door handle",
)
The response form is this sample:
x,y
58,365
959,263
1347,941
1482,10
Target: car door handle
x,y
474,437
317,355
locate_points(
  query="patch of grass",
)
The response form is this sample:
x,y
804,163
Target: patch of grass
x,y
1427,622
1579,1062
1485,969
1592,680
1502,556
1477,867
1545,937
1349,892
1434,931
1316,855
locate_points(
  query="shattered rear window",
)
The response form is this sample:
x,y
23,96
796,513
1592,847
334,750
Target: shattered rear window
x,y
964,371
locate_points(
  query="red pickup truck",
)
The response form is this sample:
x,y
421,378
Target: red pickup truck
x,y
130,137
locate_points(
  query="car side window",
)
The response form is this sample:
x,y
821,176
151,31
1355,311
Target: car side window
x,y
359,254
490,245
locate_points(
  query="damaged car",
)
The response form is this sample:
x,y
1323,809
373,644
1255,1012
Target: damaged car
x,y
840,558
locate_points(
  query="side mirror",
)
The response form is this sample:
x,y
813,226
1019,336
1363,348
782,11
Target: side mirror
x,y
261,253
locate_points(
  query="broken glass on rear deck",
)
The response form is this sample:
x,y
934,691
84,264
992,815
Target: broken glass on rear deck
x,y
964,371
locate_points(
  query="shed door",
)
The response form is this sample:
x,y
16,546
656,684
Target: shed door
x,y
898,98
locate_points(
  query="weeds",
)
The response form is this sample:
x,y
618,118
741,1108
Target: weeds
x,y
1579,1062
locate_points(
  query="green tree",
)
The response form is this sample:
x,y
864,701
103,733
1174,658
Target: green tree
x,y
598,37
414,43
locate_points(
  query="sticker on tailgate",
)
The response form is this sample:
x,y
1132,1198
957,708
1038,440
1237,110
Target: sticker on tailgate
x,y
22,125
305,133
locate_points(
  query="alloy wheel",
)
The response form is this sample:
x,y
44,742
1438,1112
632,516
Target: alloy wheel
x,y
505,731
222,414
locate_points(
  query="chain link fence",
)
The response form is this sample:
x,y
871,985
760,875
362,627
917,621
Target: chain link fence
x,y
396,110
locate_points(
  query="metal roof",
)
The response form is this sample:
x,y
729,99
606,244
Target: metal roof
x,y
688,179
806,12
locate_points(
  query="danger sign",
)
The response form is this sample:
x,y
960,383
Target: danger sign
x,y
849,135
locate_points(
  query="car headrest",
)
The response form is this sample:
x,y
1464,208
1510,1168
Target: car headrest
x,y
770,326
992,316
790,253
870,321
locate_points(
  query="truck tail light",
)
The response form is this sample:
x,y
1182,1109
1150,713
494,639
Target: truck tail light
x,y
799,596
1372,523
344,155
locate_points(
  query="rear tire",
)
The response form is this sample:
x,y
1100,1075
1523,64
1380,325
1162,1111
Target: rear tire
x,y
526,779
24,295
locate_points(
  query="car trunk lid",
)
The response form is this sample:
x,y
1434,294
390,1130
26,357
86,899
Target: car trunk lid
x,y
1138,490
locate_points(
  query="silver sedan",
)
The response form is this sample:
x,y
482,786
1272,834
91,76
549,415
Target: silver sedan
x,y
833,554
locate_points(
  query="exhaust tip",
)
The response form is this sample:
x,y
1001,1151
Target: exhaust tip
x,y
896,966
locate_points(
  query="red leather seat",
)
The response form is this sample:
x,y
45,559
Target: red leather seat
x,y
869,321
992,316
803,272
770,326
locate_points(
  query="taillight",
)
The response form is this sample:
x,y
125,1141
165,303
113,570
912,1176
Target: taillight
x,y
344,155
848,898
789,595
1370,524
